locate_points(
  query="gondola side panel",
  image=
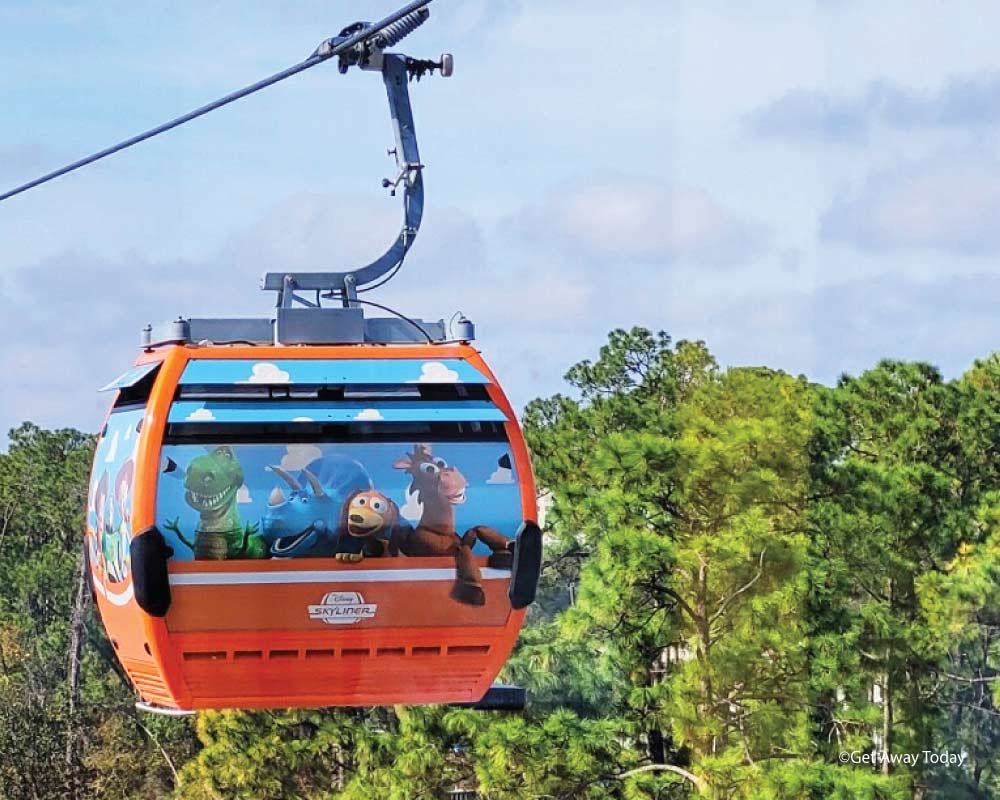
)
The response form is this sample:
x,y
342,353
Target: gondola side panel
x,y
305,563
109,510
164,683
121,505
111,527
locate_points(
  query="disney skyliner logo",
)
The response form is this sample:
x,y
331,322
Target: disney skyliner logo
x,y
342,608
907,759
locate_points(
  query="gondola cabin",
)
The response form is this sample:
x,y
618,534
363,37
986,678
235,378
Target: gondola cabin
x,y
309,526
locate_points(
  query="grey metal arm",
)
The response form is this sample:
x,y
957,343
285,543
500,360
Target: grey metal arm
x,y
395,74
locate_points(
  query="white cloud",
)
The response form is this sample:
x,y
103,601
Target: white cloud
x,y
266,372
303,419
298,456
813,115
201,415
641,221
412,509
292,231
949,203
243,495
965,102
369,414
945,320
501,475
436,372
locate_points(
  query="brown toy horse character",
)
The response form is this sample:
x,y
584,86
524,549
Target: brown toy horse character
x,y
439,488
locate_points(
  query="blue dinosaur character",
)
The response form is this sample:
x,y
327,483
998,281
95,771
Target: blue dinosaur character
x,y
306,522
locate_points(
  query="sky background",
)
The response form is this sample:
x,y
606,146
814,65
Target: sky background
x,y
812,186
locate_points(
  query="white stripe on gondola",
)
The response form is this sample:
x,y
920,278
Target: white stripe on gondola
x,y
325,576
118,598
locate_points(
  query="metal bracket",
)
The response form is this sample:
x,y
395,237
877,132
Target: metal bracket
x,y
397,71
499,697
163,711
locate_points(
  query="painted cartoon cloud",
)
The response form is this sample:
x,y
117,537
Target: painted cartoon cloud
x,y
501,475
298,456
412,509
201,415
369,414
266,372
436,372
504,473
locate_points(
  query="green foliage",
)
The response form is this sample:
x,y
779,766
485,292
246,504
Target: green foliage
x,y
901,575
691,502
746,575
57,740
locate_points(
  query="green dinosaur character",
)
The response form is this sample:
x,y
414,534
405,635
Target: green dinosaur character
x,y
211,483
115,558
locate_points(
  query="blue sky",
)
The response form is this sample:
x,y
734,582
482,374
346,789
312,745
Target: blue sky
x,y
811,186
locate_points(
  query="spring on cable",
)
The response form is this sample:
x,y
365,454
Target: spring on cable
x,y
394,33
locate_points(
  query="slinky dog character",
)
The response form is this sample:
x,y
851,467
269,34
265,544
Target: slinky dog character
x,y
367,522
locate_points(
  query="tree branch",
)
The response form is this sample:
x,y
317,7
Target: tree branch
x,y
745,587
681,602
986,679
689,776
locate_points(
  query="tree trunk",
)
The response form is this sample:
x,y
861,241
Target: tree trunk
x,y
657,748
887,690
702,651
886,716
73,678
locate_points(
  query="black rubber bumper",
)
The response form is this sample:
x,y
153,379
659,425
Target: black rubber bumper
x,y
527,565
149,552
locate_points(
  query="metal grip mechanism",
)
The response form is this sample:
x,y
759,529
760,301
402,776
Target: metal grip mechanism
x,y
393,34
387,36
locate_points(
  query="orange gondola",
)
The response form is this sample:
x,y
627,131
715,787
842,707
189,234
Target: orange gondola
x,y
314,508
306,526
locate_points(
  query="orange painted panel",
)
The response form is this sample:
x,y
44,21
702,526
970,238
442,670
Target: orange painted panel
x,y
300,606
359,667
